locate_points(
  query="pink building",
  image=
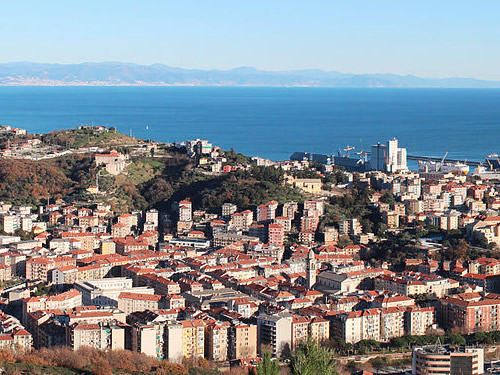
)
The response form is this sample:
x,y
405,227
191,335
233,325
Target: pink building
x,y
267,212
276,234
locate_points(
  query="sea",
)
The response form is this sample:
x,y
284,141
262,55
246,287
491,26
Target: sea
x,y
272,122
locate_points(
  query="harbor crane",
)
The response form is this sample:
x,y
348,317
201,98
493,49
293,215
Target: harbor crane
x,y
442,160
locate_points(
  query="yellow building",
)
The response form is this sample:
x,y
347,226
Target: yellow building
x,y
309,185
193,338
108,247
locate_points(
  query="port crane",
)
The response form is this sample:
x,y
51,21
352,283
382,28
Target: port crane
x,y
346,150
442,160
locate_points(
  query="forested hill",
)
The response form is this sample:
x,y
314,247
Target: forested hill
x,y
148,181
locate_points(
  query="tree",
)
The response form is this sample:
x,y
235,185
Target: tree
x,y
387,198
268,366
381,229
344,241
311,359
456,339
399,342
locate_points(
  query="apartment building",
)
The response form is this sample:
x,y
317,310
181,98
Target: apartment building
x,y
276,235
382,324
485,266
67,300
216,340
284,221
290,209
242,341
242,220
392,323
156,333
358,325
309,223
275,331
469,314
439,360
418,320
130,302
105,292
300,330
350,227
10,223
185,209
39,268
130,244
103,335
193,338
120,230
152,217
318,329
17,340
414,284
267,212
331,236
228,209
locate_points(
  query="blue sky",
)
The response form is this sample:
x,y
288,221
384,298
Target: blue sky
x,y
439,38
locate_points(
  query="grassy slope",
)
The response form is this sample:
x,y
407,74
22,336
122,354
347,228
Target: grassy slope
x,y
84,138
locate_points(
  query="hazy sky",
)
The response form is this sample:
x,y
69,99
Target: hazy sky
x,y
438,38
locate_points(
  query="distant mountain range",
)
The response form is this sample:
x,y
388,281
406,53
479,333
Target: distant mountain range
x,y
128,74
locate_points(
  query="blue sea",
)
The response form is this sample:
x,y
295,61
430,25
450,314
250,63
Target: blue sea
x,y
272,122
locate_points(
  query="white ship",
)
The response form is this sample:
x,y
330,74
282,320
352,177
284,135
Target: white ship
x,y
486,174
432,166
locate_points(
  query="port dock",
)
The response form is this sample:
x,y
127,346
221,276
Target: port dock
x,y
322,158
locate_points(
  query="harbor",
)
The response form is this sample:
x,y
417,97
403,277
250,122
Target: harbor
x,y
391,157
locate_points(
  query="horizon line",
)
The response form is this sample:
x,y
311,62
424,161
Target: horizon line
x,y
256,69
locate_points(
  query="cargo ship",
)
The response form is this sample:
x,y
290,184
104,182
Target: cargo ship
x,y
485,174
432,166
493,161
350,164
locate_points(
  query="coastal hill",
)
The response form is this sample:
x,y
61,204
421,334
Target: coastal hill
x,y
63,166
128,74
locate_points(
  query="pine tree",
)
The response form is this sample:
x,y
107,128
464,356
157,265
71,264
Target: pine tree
x,y
268,366
311,359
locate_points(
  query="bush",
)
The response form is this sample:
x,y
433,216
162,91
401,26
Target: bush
x,y
35,359
7,356
169,368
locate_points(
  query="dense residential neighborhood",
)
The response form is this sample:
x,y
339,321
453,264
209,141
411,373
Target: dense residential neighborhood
x,y
360,257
